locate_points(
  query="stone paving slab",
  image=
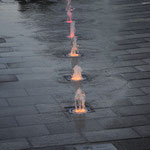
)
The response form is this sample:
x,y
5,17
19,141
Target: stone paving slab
x,y
140,100
31,100
2,40
11,60
13,93
144,68
121,70
147,60
5,49
139,50
15,144
26,64
133,144
74,126
139,83
22,132
126,47
144,131
52,148
112,134
28,84
3,66
143,45
22,110
134,57
46,118
3,102
39,91
132,41
132,110
33,76
59,139
45,108
136,76
15,71
6,122
146,90
8,78
106,146
129,63
122,122
134,92
103,103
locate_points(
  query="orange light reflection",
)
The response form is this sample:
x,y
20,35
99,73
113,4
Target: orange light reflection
x,y
71,35
80,111
74,55
69,21
76,78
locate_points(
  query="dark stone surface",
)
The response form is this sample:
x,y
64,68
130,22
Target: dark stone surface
x,y
106,146
22,110
6,122
40,119
112,134
58,139
133,144
135,56
31,100
133,110
139,83
114,38
3,102
20,132
8,78
74,126
140,100
2,40
144,131
12,92
136,76
122,122
15,144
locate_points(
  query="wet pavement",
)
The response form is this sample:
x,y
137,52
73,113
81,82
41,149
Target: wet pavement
x,y
114,39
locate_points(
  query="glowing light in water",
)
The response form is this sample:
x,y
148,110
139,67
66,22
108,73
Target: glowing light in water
x,y
69,14
72,30
80,102
74,51
77,75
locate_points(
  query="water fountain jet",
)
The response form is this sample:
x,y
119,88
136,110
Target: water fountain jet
x,y
77,75
69,14
68,5
74,51
80,102
72,30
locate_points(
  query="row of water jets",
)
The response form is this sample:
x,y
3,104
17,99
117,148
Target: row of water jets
x,y
80,107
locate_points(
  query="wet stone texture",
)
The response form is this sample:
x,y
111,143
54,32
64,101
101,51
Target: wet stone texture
x,y
97,147
114,41
2,40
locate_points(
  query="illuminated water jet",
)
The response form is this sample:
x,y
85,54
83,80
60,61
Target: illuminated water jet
x,y
69,14
80,102
74,51
77,75
72,30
